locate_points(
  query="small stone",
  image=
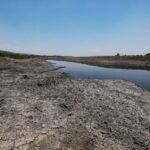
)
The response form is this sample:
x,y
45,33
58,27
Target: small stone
x,y
43,125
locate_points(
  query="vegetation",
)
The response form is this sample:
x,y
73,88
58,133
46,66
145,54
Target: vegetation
x,y
131,61
18,55
118,61
147,54
130,58
118,54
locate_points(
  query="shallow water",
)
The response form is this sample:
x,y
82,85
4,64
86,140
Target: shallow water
x,y
83,71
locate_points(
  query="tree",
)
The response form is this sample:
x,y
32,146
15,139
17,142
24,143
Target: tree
x,y
148,54
117,54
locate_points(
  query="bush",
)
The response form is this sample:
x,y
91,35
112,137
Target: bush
x,y
148,54
117,54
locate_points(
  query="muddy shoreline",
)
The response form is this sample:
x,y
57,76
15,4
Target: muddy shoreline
x,y
122,62
43,109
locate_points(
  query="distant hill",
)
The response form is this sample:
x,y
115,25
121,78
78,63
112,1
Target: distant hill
x,y
147,54
6,52
10,54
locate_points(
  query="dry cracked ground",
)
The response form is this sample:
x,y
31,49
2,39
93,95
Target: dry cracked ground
x,y
45,110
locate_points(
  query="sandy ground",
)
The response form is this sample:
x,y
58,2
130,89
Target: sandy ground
x,y
42,110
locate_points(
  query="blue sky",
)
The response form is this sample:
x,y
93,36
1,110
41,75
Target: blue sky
x,y
75,27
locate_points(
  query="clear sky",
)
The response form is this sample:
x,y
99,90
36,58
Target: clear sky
x,y
75,27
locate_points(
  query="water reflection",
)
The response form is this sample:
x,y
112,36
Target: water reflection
x,y
82,71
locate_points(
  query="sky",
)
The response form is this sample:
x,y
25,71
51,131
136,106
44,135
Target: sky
x,y
75,27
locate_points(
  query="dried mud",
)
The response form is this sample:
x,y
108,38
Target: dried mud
x,y
45,110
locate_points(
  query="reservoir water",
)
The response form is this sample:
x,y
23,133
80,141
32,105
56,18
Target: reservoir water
x,y
83,71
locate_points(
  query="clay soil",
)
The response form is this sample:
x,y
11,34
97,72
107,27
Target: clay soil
x,y
41,109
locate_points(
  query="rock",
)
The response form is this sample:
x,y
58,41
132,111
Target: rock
x,y
25,77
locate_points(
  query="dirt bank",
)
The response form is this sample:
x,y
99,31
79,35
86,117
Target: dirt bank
x,y
127,62
42,110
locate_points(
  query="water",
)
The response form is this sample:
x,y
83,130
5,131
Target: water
x,y
82,71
